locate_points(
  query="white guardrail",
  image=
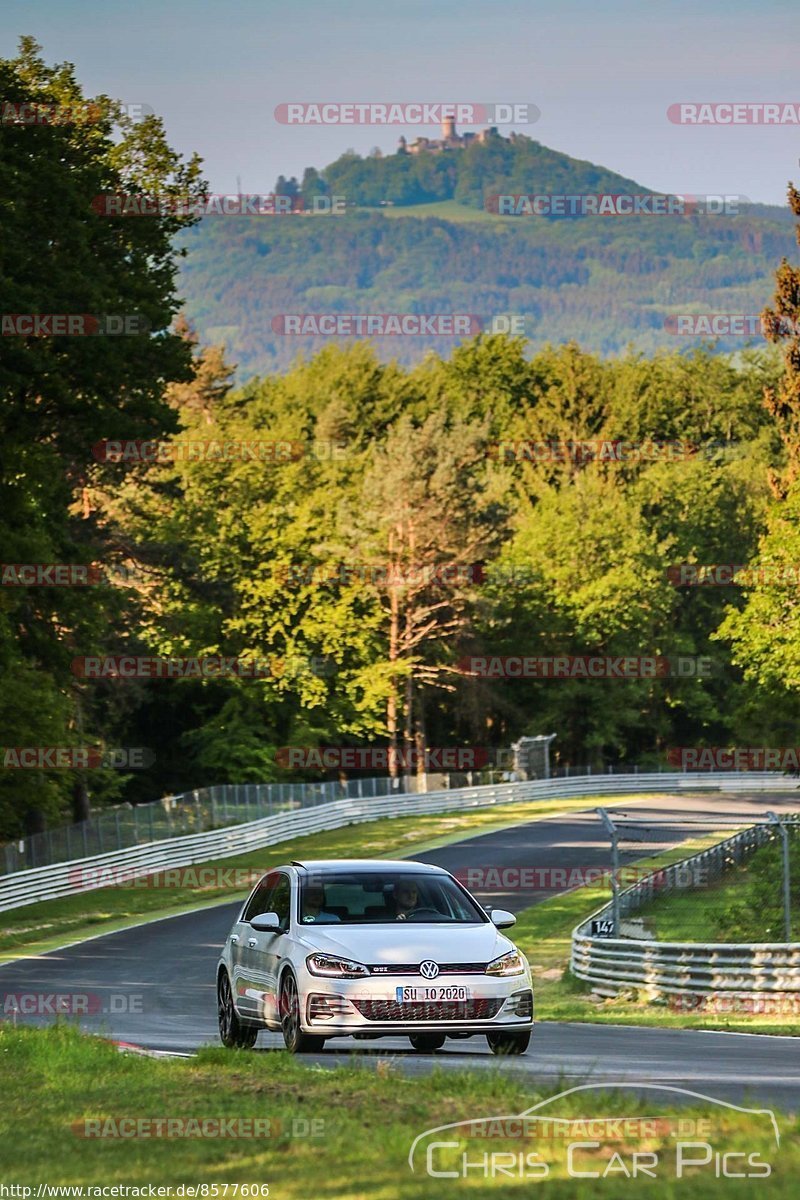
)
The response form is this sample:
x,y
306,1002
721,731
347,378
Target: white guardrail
x,y
86,874
663,969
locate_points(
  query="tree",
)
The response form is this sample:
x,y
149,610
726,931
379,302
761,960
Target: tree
x,y
313,185
61,395
423,510
782,327
765,634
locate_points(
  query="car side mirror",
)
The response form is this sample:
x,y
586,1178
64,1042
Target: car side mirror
x,y
502,919
268,922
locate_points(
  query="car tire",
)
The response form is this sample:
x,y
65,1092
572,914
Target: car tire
x,y
295,1040
426,1043
508,1043
232,1032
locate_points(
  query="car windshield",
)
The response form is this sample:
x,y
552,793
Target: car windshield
x,y
375,897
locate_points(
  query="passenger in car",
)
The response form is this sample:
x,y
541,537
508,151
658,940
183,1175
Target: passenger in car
x,y
314,910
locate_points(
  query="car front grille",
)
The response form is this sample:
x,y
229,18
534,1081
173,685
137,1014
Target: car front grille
x,y
472,968
429,1010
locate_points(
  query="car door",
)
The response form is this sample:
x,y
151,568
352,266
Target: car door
x,y
263,953
243,939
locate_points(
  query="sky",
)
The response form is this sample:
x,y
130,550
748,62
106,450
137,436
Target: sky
x,y
602,75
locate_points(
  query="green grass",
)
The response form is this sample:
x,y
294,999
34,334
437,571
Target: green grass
x,y
446,210
745,905
688,917
39,927
57,1079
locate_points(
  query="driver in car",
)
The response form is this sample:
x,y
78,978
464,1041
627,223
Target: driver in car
x,y
314,906
406,898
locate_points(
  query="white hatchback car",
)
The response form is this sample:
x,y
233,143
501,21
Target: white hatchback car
x,y
366,949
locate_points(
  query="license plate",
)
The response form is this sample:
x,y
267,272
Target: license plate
x,y
408,995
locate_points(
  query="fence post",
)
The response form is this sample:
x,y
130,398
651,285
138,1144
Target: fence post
x,y
119,829
611,830
787,899
198,811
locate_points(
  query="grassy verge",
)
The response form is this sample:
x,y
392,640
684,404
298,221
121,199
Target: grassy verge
x,y
544,933
745,905
39,927
340,1134
445,210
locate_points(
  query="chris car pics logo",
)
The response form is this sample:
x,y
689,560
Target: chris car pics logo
x,y
706,1138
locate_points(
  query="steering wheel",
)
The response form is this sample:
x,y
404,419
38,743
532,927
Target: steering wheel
x,y
417,913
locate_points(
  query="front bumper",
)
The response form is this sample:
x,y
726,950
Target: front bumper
x,y
342,1007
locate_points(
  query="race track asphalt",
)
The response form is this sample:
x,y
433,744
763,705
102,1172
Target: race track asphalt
x,y
153,984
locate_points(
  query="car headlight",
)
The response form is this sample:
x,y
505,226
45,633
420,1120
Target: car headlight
x,y
507,964
335,968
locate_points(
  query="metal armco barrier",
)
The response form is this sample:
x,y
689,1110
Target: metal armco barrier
x,y
103,870
665,969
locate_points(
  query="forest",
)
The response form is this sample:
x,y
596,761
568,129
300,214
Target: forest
x,y
319,556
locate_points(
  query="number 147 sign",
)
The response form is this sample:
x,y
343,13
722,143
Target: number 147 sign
x,y
604,927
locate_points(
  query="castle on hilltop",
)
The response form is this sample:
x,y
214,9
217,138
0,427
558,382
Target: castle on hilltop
x,y
450,140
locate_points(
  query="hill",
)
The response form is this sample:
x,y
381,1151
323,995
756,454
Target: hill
x,y
432,246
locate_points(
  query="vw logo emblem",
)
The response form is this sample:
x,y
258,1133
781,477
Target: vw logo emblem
x,y
428,969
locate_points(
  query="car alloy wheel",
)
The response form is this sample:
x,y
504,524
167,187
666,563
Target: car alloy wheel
x,y
426,1043
296,1041
508,1043
232,1032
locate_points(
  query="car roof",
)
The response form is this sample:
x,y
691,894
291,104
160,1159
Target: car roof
x,y
324,865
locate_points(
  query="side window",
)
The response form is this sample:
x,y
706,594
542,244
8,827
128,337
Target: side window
x,y
280,900
261,899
